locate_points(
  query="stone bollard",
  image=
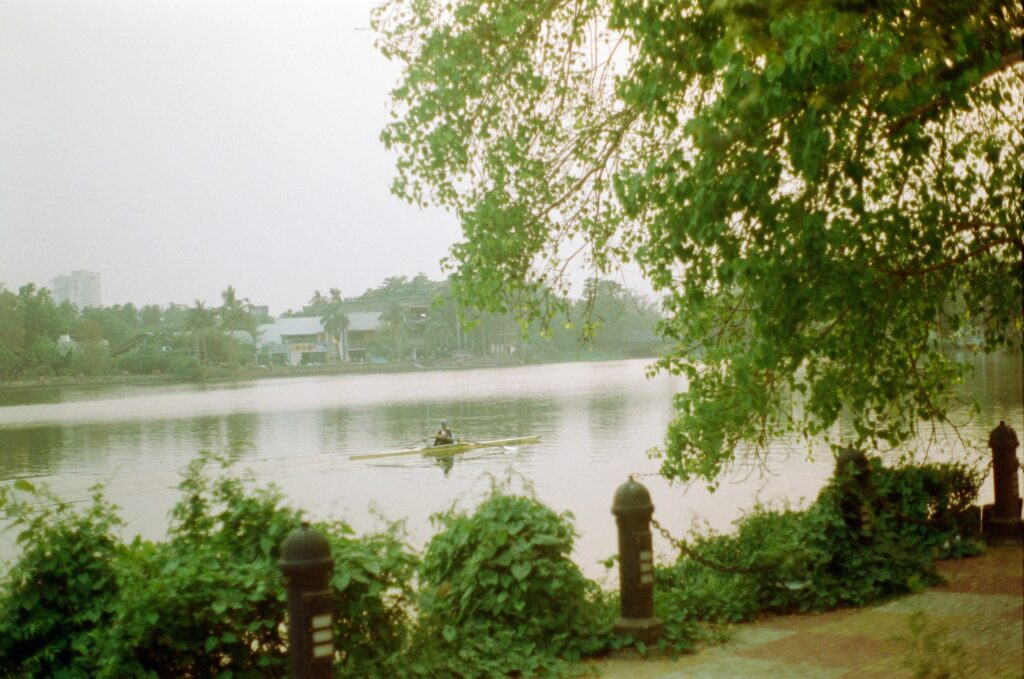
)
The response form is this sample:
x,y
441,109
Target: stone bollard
x,y
307,566
1002,520
632,508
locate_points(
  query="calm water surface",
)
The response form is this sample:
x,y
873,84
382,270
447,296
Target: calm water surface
x,y
596,421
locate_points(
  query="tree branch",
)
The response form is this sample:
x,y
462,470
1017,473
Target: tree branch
x,y
1008,61
985,247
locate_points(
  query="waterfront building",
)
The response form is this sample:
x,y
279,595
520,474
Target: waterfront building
x,y
302,339
361,334
293,341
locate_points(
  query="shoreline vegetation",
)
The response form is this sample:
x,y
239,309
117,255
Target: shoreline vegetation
x,y
494,592
403,325
219,374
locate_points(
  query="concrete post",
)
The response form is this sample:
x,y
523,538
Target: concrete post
x,y
307,566
1002,520
633,509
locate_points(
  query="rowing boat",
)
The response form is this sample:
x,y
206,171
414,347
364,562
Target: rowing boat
x,y
452,448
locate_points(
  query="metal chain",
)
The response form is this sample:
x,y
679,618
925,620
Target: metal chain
x,y
686,551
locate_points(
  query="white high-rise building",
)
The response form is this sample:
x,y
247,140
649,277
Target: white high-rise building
x,y
81,288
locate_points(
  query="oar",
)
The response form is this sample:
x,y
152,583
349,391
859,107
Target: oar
x,y
414,448
393,453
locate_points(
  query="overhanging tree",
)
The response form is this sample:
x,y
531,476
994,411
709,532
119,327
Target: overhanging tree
x,y
828,193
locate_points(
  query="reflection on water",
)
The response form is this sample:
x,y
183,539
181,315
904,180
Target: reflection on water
x,y
596,421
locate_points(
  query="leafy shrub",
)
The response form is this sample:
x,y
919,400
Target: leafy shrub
x,y
495,594
62,589
186,368
210,599
207,602
763,550
500,595
373,594
934,504
196,614
146,359
853,545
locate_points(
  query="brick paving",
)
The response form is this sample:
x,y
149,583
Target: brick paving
x,y
973,626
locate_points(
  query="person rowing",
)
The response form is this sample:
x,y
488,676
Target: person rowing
x,y
444,435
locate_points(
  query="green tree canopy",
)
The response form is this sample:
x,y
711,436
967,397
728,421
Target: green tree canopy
x,y
12,333
827,192
200,320
234,313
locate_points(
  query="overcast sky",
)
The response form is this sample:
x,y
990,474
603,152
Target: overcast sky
x,y
179,146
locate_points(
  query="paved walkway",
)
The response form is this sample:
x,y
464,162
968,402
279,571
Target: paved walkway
x,y
972,626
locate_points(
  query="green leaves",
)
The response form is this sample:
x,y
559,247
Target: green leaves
x,y
24,486
845,549
521,570
207,602
499,586
815,190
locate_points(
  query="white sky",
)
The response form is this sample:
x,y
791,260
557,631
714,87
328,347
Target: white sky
x,y
179,146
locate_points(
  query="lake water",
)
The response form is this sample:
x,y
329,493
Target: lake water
x,y
596,421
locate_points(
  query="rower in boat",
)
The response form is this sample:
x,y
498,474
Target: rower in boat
x,y
444,435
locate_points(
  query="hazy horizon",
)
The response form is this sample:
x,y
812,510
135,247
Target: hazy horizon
x,y
178,148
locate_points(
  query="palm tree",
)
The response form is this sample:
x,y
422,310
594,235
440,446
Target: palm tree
x,y
335,323
233,312
317,301
199,320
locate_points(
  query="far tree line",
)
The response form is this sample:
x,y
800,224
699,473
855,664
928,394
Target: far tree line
x,y
419,320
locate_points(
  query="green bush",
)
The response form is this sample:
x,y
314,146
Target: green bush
x,y
500,595
63,588
187,368
195,614
496,592
89,360
373,597
146,359
207,602
852,546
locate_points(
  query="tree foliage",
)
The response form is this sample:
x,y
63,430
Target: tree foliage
x,y
827,192
235,314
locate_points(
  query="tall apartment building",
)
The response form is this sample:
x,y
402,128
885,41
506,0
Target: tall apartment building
x,y
81,288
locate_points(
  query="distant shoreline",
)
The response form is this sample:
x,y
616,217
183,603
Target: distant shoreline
x,y
217,375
